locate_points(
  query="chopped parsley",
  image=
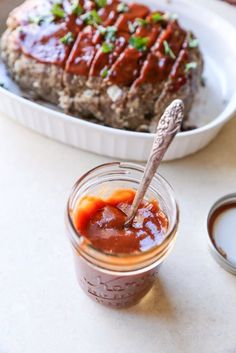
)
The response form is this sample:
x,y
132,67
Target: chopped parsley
x,y
193,43
108,32
102,30
68,38
91,18
141,22
170,17
139,43
101,3
122,7
76,8
104,72
138,22
168,50
157,17
57,10
190,66
39,20
107,47
132,26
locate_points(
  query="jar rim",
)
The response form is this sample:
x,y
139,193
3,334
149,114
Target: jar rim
x,y
113,261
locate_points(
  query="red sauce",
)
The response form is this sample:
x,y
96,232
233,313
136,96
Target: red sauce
x,y
134,11
102,222
87,44
178,74
44,44
83,52
105,60
74,24
109,13
127,68
158,64
124,65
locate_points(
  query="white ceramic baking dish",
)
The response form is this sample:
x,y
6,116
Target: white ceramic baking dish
x,y
214,106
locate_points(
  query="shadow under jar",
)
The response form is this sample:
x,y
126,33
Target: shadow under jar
x,y
119,280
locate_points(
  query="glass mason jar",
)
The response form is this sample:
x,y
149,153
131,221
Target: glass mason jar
x,y
119,280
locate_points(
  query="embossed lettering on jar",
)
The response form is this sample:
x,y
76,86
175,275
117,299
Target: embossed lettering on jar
x,y
116,266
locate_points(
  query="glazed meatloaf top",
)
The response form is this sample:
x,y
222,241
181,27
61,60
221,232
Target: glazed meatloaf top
x,y
138,58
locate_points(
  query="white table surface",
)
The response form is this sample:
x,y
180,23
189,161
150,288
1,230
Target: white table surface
x,y
191,309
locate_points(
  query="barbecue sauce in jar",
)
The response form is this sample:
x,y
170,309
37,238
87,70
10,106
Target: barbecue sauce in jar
x,y
102,222
116,265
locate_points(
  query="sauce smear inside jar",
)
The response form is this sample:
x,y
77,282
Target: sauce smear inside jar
x,y
102,222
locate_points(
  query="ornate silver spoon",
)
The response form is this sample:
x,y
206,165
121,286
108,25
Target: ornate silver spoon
x,y
167,128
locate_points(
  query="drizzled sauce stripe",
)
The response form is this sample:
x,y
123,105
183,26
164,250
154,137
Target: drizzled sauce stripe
x,y
158,64
106,60
177,76
87,43
84,50
43,42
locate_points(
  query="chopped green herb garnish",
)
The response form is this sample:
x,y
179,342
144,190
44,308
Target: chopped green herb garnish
x,y
138,22
108,32
168,50
157,17
193,43
139,43
39,20
76,8
132,26
36,20
101,3
122,7
107,47
104,73
91,18
102,30
141,22
190,66
57,10
170,16
68,38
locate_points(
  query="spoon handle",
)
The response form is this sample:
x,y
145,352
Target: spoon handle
x,y
167,128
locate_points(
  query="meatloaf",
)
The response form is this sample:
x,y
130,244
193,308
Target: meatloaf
x,y
115,63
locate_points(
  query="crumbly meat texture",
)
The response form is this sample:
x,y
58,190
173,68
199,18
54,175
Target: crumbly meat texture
x,y
137,104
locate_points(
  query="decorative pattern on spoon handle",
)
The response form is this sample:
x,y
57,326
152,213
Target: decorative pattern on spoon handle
x,y
167,128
